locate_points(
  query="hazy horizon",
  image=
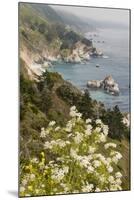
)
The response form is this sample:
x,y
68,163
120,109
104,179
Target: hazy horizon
x,y
105,15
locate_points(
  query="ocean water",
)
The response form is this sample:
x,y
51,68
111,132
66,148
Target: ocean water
x,y
115,62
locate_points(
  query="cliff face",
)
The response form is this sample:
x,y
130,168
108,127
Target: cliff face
x,y
45,39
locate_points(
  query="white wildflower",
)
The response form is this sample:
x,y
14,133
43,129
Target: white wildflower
x,y
51,123
73,153
48,145
102,137
115,159
42,185
65,187
58,174
69,127
100,157
110,169
90,169
73,113
27,195
67,142
105,130
98,121
118,175
96,163
115,187
84,162
106,146
111,179
69,135
32,176
62,144
118,181
73,108
116,156
57,128
88,121
97,129
22,189
78,138
24,182
102,178
44,133
109,160
88,130
66,169
91,150
51,162
87,188
97,190
34,160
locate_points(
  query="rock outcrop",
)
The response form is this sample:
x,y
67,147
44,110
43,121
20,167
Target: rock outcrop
x,y
126,120
108,85
96,53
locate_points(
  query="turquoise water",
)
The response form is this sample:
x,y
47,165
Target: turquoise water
x,y
115,63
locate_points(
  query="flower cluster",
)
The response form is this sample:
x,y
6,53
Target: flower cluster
x,y
75,158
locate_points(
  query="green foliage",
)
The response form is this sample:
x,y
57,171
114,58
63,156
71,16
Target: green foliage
x,y
46,101
68,93
86,105
92,109
114,119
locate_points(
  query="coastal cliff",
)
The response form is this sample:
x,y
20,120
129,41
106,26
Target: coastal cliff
x,y
46,40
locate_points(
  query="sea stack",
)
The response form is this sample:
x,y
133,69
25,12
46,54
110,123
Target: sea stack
x,y
108,85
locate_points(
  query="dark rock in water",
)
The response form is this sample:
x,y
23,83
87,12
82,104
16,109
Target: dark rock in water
x,y
97,65
108,85
95,53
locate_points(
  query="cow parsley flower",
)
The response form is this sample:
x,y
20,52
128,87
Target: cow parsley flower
x,y
111,179
110,169
44,133
91,150
51,123
97,190
118,175
88,121
57,128
22,189
106,146
105,129
78,138
87,187
98,121
32,176
96,163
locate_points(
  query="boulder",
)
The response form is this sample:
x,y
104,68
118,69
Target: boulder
x,y
94,83
108,85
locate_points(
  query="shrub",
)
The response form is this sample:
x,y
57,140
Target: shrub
x,y
114,119
75,163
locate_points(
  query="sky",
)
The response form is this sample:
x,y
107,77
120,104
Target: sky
x,y
118,16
